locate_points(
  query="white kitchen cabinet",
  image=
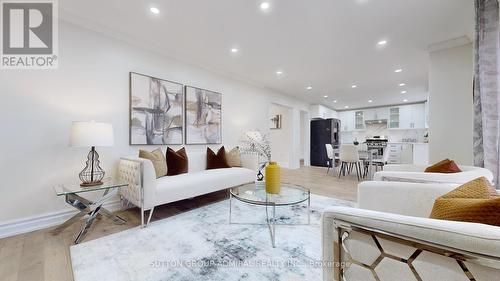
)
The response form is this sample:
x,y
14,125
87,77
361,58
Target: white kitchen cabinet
x,y
394,151
418,115
407,153
410,116
400,153
347,120
359,120
370,114
393,118
376,113
421,154
405,117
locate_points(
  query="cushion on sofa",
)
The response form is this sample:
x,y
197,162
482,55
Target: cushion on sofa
x,y
216,161
171,189
445,166
159,162
470,202
233,157
177,162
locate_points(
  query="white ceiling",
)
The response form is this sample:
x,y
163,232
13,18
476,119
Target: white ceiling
x,y
327,44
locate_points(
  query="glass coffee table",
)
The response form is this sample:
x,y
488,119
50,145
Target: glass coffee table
x,y
73,193
255,194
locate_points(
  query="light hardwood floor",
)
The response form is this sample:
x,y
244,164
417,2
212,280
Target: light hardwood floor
x,y
40,255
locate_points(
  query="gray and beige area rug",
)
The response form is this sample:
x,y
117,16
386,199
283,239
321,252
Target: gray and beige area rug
x,y
202,245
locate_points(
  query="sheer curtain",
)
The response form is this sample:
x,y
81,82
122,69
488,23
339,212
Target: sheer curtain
x,y
486,87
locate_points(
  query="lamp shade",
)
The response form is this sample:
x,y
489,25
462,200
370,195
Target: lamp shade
x,y
85,134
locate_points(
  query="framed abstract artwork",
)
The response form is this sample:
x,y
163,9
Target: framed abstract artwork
x,y
275,122
156,108
203,116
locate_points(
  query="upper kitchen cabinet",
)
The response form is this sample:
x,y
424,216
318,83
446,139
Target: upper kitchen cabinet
x,y
359,120
376,113
347,119
410,116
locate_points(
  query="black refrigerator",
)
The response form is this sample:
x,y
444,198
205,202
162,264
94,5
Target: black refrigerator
x,y
323,131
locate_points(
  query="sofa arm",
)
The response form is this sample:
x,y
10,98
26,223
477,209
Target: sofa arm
x,y
469,237
404,198
141,178
356,229
404,168
421,177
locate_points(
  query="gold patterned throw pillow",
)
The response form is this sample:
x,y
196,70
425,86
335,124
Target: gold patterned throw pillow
x,y
158,158
475,201
233,157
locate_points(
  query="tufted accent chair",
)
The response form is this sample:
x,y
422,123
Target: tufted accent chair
x,y
390,237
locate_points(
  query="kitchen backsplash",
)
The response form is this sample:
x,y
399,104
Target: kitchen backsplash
x,y
381,130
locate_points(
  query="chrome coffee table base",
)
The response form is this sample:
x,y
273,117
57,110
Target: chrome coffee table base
x,y
270,222
90,208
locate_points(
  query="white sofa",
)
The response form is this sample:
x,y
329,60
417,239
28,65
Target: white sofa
x,y
391,236
147,192
415,173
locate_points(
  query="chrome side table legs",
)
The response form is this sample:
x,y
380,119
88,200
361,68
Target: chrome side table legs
x,y
90,208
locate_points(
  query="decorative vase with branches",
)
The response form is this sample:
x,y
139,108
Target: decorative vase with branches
x,y
254,142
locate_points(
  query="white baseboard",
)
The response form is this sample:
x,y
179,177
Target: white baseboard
x,y
24,225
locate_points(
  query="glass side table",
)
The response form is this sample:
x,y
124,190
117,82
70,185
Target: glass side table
x,y
72,193
255,194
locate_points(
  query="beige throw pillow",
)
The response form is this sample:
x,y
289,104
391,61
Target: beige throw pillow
x,y
233,157
158,158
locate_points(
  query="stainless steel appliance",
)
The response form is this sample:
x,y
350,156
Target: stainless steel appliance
x,y
377,142
323,131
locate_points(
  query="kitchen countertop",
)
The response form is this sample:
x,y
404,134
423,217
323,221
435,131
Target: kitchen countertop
x,y
412,143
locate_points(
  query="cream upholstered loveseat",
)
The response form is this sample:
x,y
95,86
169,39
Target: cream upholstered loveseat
x,y
415,173
146,191
390,237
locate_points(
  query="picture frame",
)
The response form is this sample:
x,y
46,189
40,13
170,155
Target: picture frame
x,y
156,111
203,116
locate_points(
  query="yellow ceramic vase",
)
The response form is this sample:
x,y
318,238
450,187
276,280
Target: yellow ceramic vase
x,y
273,177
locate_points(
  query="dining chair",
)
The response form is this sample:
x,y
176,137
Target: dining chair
x,y
382,161
331,157
349,158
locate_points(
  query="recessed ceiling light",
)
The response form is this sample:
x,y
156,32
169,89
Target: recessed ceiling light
x,y
279,72
309,87
154,10
405,100
402,84
334,101
403,92
370,101
382,42
398,70
346,106
264,6
325,96
234,50
354,86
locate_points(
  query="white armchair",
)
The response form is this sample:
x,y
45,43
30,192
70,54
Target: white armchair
x,y
415,173
390,237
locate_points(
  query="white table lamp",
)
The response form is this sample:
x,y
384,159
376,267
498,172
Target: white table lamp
x,y
91,134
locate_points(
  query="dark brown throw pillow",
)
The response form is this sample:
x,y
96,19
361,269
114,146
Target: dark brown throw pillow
x,y
217,161
446,166
177,162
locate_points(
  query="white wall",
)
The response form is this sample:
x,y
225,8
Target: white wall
x,y
281,145
450,105
92,83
